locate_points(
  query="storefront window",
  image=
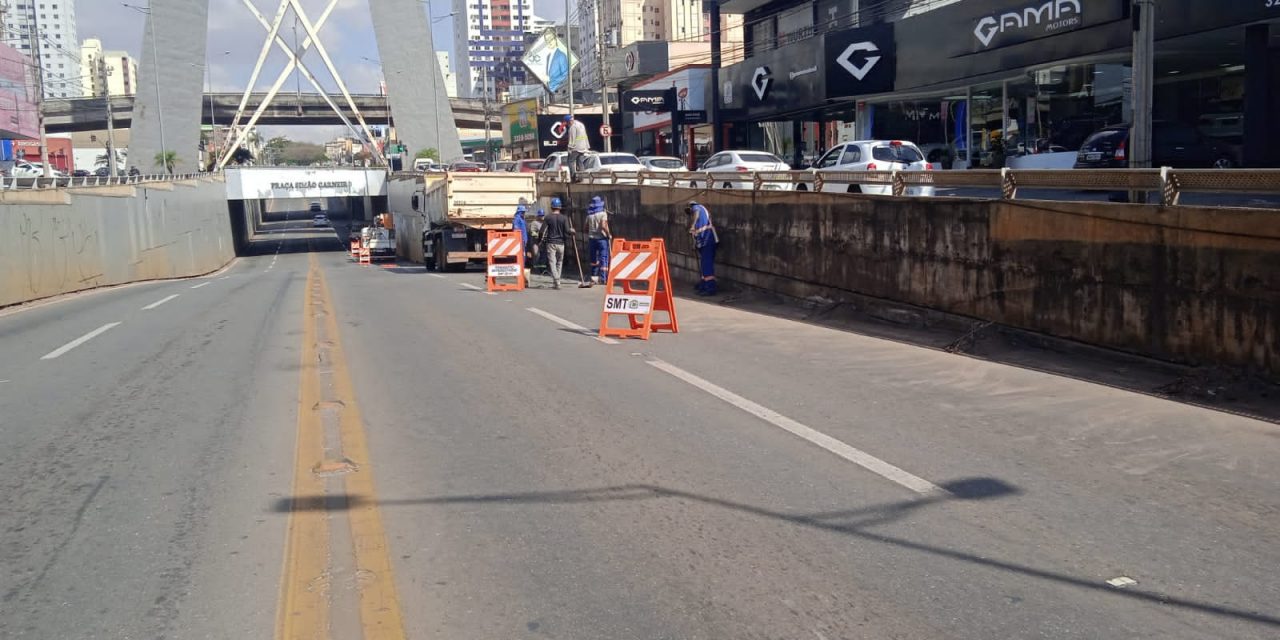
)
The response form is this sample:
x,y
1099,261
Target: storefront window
x,y
935,125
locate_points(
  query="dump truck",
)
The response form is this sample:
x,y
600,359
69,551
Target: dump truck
x,y
461,208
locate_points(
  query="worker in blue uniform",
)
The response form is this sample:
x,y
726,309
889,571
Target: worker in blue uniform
x,y
705,240
518,223
598,236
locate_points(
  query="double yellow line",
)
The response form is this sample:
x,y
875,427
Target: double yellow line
x,y
306,611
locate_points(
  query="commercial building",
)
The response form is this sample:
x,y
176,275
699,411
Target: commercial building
x,y
489,36
995,83
121,70
342,149
46,32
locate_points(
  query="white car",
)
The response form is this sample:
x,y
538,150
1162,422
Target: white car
x,y
556,162
320,220
599,165
662,163
871,155
727,168
24,169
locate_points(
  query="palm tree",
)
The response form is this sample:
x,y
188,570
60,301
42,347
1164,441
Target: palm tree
x,y
166,160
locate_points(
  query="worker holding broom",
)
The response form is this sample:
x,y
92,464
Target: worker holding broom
x,y
705,240
556,231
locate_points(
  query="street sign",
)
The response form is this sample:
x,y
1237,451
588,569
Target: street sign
x,y
628,304
606,131
691,117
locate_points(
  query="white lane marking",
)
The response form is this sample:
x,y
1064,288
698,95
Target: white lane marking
x,y
435,275
570,325
79,341
202,284
224,277
856,456
475,288
159,302
1122,581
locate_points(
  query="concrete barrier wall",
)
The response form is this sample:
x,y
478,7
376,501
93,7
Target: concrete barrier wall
x,y
1188,284
59,241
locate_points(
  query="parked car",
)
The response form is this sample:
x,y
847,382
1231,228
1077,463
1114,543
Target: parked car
x,y
81,173
662,163
527,165
871,155
504,165
556,162
102,172
728,165
24,169
320,220
464,166
1173,144
597,164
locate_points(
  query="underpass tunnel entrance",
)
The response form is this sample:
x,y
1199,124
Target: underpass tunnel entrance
x,y
275,210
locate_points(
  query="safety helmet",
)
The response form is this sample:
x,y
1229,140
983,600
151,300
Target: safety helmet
x,y
520,208
555,203
541,213
568,118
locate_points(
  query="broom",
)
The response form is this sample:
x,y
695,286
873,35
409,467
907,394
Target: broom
x,y
582,282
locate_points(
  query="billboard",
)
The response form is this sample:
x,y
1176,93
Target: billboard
x,y
552,130
550,60
520,122
17,96
690,84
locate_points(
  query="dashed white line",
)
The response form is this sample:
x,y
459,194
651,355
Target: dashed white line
x,y
79,341
570,325
436,275
475,288
159,302
852,454
202,284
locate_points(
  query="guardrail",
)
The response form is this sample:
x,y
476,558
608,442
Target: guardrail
x,y
31,183
1169,183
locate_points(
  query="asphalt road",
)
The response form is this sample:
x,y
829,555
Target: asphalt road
x,y
749,477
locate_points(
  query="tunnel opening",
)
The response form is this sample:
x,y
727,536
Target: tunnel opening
x,y
285,210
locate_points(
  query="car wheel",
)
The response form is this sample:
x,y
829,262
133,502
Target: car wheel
x,y
853,188
728,185
1223,163
693,185
802,187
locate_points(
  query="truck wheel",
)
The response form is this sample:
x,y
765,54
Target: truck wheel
x,y
428,261
440,264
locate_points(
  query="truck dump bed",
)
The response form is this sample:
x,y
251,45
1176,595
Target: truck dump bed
x,y
478,200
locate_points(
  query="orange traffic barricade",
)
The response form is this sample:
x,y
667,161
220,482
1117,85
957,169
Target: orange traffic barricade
x,y
506,260
639,286
366,256
355,249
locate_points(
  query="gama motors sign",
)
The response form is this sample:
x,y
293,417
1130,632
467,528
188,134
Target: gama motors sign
x,y
1029,22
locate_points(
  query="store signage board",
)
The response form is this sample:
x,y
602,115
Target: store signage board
x,y
550,60
648,100
860,61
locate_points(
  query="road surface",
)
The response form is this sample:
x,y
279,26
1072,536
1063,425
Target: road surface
x,y
303,447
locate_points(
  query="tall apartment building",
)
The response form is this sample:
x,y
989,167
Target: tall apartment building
x,y
57,50
613,24
122,70
446,71
488,41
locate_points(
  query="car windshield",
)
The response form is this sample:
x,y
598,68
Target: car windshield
x,y
760,157
896,153
621,158
1106,137
666,163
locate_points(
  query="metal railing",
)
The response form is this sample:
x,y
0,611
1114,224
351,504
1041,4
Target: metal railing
x,y
1169,183
34,183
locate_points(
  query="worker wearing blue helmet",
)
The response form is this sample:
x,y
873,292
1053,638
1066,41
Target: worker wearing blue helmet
x,y
518,223
705,240
598,236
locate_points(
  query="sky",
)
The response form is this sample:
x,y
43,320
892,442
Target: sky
x,y
235,39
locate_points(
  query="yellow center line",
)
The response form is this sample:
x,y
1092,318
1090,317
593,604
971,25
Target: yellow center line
x,y
305,605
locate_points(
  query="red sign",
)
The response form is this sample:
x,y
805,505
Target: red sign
x,y
606,130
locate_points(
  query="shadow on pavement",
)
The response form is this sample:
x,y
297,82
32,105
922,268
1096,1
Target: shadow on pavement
x,y
853,522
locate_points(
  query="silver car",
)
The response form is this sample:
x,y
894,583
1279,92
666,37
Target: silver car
x,y
871,155
727,169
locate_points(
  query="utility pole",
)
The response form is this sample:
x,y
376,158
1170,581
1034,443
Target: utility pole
x,y
38,51
601,41
1144,20
717,124
103,72
1141,85
568,44
484,88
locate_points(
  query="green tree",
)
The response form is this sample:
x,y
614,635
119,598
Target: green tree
x,y
429,152
166,160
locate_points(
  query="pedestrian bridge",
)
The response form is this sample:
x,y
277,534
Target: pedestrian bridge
x,y
272,183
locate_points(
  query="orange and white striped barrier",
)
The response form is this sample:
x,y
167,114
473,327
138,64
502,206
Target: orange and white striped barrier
x,y
639,285
506,260
355,249
366,256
